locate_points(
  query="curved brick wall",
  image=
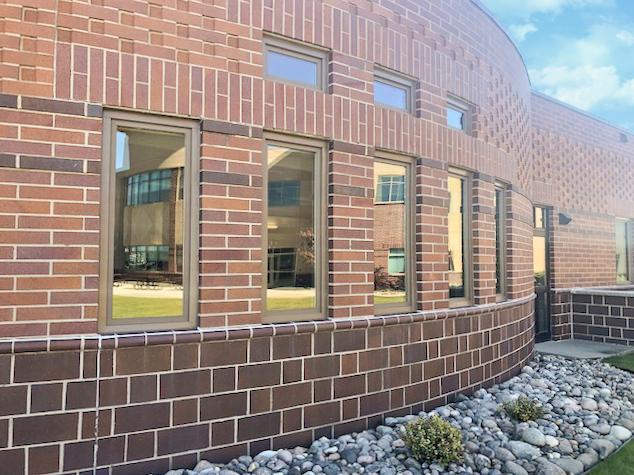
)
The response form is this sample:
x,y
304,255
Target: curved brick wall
x,y
163,400
205,62
246,390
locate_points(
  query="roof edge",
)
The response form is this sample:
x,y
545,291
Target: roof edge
x,y
497,22
575,109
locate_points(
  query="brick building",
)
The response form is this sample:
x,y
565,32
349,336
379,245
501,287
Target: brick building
x,y
195,197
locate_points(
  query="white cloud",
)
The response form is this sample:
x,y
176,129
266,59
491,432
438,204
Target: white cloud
x,y
585,86
626,37
524,9
519,31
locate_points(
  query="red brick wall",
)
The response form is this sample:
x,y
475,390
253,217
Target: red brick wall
x,y
583,168
63,62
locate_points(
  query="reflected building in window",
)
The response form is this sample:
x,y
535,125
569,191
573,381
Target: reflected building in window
x,y
391,246
293,247
148,218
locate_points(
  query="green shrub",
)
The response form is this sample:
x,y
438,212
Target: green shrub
x,y
523,409
432,439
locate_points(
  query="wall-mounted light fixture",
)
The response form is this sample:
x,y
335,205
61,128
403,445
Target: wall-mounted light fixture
x,y
564,219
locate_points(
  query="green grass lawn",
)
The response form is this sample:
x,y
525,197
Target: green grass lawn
x,y
126,307
621,463
290,303
309,302
379,299
625,362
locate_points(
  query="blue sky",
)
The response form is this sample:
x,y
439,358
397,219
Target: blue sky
x,y
579,51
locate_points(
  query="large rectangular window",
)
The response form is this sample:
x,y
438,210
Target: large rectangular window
x,y
291,61
149,230
393,90
294,227
393,236
459,240
622,234
540,243
500,241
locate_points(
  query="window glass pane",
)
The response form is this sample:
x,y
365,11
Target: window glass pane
x,y
396,262
284,193
390,95
455,118
538,217
539,259
499,251
622,252
292,68
456,223
147,279
391,188
291,230
390,234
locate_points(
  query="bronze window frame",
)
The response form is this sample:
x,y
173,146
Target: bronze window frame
x,y
409,163
112,120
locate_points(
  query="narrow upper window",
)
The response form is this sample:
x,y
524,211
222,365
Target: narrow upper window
x,y
459,238
149,233
292,61
500,241
393,90
393,235
623,244
458,115
539,217
294,228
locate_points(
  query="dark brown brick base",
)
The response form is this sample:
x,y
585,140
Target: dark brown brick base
x,y
160,406
604,316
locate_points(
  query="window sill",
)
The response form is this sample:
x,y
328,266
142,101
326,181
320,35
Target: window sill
x,y
459,302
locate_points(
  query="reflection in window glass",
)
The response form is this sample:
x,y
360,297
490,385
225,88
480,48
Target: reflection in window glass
x,y
284,193
455,118
622,252
456,234
538,217
154,186
390,188
292,249
292,68
499,245
539,259
148,224
396,261
390,230
390,94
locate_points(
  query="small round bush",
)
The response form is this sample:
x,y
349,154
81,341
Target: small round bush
x,y
432,439
523,409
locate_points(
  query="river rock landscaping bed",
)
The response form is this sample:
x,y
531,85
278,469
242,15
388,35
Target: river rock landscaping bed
x,y
588,414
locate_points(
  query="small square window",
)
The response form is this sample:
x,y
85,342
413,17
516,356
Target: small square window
x,y
393,90
458,115
295,62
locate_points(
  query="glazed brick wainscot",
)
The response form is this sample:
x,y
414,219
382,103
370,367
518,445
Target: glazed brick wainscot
x,y
155,401
603,315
